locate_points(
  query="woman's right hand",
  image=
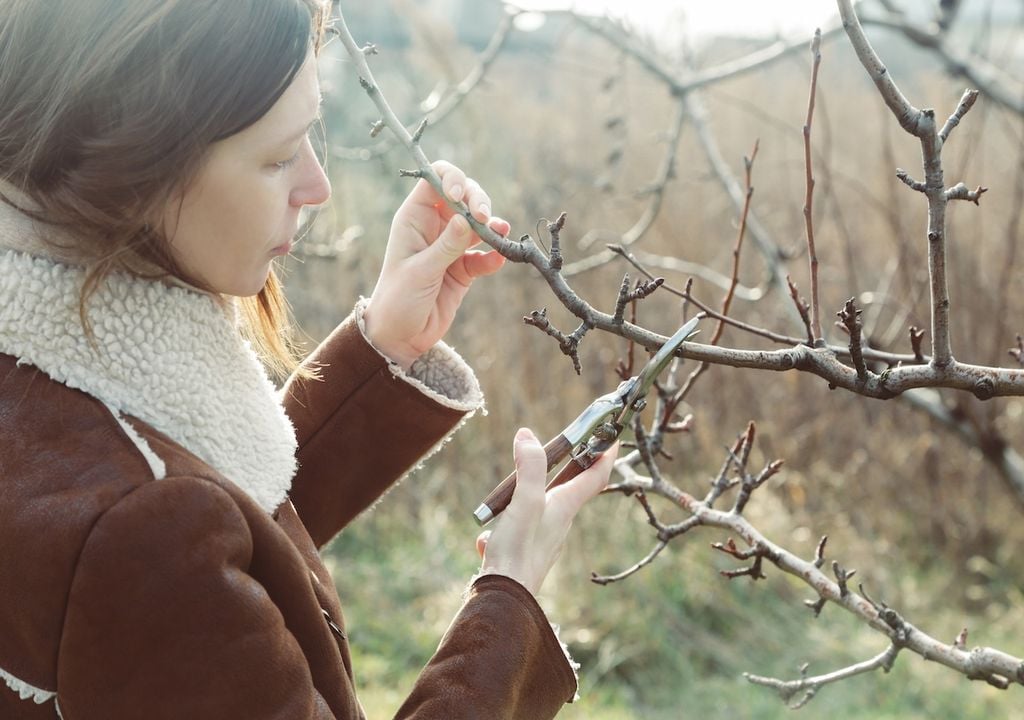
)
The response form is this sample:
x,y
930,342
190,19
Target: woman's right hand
x,y
528,536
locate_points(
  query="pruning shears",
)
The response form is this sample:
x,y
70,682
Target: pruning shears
x,y
595,430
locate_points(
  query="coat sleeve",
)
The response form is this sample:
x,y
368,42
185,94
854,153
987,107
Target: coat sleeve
x,y
165,622
365,423
499,659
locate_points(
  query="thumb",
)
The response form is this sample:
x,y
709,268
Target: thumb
x,y
527,502
450,245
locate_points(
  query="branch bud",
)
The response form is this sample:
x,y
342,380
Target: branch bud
x,y
960,643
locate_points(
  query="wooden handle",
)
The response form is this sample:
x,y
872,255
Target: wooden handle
x,y
571,470
498,500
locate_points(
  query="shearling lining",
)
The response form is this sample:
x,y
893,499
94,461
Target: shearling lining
x,y
168,356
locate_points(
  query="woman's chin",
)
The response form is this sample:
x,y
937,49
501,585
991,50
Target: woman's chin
x,y
249,287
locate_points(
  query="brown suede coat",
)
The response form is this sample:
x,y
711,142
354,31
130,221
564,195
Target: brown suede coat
x,y
133,598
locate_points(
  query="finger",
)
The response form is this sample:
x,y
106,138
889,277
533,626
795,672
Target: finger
x,y
476,265
527,502
478,202
450,245
500,226
481,542
453,180
575,493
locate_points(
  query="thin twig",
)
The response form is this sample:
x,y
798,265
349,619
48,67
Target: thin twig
x,y
772,254
644,261
1017,353
451,102
962,192
624,368
555,231
722,484
891,359
910,182
748,164
850,318
568,344
626,296
966,103
663,540
803,308
424,169
631,570
656,194
810,685
693,79
916,336
752,483
812,257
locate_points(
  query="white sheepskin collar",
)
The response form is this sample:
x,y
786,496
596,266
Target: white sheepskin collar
x,y
169,356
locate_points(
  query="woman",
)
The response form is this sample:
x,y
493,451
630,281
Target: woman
x,y
161,506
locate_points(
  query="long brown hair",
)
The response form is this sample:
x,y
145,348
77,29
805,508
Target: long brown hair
x,y
107,108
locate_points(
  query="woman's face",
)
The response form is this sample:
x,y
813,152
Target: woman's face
x,y
242,209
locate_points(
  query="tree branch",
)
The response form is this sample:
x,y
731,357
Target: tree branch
x,y
692,79
773,256
748,163
991,80
451,102
643,261
810,685
850,318
654,204
966,103
908,116
921,124
994,666
812,256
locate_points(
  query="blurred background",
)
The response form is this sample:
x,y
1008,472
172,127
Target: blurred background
x,y
924,505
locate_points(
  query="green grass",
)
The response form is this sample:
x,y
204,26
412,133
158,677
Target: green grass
x,y
670,642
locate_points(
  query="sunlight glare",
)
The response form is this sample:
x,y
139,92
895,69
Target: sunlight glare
x,y
699,18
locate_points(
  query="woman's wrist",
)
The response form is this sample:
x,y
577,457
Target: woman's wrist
x,y
401,354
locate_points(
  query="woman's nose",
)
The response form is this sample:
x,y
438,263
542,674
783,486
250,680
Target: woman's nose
x,y
313,187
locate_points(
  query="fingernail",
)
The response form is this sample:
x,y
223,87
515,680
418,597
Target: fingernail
x,y
456,192
484,210
524,435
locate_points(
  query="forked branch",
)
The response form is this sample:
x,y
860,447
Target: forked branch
x,y
990,665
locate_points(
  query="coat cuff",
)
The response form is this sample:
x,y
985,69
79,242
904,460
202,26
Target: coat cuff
x,y
365,424
440,373
558,651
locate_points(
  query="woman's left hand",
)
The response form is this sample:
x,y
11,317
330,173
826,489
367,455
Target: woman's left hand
x,y
429,265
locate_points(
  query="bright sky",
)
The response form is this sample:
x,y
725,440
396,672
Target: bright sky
x,y
699,17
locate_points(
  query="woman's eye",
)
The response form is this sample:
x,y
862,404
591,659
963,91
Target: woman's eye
x,y
284,164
